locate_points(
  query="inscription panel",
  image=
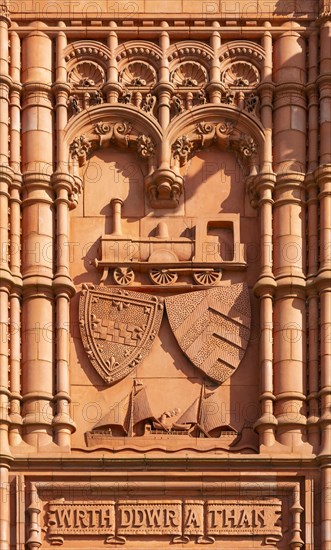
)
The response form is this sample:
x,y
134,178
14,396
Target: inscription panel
x,y
200,521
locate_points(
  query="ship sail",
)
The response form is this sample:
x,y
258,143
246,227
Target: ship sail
x,y
117,416
133,408
141,409
190,416
210,414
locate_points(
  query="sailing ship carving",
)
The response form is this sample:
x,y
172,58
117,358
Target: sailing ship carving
x,y
133,417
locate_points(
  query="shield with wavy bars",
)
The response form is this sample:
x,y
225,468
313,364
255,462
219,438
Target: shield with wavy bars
x,y
117,328
212,327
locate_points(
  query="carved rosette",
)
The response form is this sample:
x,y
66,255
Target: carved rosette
x,y
117,329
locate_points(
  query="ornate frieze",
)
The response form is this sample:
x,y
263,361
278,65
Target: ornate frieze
x,y
139,65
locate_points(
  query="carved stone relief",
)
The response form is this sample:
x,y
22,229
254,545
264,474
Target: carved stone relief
x,y
188,82
182,521
163,258
212,327
118,328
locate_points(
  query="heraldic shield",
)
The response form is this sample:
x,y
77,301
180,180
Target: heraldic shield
x,y
212,327
117,328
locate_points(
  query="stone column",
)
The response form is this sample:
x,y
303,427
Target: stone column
x,y
323,279
15,428
63,286
112,87
265,285
5,507
164,88
37,238
289,237
215,87
5,280
312,235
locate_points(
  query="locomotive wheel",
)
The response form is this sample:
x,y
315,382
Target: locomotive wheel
x,y
207,278
162,277
123,275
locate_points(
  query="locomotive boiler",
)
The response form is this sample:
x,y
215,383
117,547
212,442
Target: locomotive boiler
x,y
164,258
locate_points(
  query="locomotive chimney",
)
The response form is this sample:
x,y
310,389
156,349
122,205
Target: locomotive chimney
x,y
117,216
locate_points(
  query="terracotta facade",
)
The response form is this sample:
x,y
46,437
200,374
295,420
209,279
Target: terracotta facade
x,y
165,199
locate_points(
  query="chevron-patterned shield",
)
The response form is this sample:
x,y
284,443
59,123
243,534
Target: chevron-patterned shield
x,y
117,328
212,327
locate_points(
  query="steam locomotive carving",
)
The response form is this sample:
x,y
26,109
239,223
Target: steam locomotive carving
x,y
165,258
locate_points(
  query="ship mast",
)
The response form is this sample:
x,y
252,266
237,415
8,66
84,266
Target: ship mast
x,y
202,397
130,429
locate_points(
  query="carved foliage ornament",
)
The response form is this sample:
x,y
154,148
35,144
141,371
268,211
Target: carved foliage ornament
x,y
106,133
80,148
117,329
205,134
145,146
182,148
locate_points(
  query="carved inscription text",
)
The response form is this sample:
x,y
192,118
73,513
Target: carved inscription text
x,y
178,519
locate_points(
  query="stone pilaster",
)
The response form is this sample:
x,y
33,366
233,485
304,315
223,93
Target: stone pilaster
x,y
38,236
5,273
289,238
62,284
15,428
265,285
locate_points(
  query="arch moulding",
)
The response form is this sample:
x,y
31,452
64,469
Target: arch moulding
x,y
165,151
